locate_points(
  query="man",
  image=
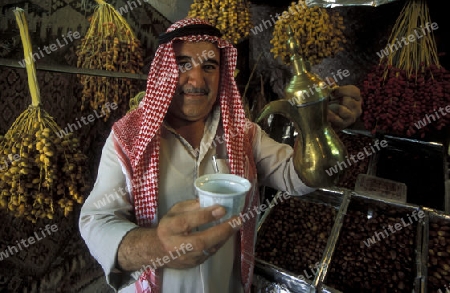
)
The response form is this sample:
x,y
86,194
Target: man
x,y
191,112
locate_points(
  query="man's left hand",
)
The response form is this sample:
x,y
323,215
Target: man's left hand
x,y
345,106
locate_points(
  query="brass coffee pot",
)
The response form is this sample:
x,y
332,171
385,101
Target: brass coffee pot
x,y
305,104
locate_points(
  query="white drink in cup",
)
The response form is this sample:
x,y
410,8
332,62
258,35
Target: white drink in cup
x,y
227,190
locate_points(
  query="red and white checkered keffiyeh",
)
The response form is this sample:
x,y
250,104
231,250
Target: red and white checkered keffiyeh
x,y
138,143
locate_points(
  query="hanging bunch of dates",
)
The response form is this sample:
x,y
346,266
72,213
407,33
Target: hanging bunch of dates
x,y
408,92
231,17
43,172
320,32
110,45
43,169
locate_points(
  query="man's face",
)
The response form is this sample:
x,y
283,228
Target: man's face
x,y
198,86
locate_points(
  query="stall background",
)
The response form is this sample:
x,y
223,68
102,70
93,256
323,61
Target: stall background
x,y
62,262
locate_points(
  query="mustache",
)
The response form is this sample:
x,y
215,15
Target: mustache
x,y
194,91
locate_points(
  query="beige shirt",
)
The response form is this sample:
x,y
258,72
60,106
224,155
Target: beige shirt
x,y
107,214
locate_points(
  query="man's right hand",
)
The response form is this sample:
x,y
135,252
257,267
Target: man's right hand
x,y
176,238
179,227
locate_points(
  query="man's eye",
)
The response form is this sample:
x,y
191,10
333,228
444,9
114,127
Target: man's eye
x,y
209,67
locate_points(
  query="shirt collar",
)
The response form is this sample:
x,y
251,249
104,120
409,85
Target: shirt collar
x,y
209,134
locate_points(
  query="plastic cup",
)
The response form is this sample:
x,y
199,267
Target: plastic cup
x,y
227,190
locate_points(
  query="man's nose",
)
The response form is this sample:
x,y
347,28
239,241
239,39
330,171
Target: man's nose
x,y
196,77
